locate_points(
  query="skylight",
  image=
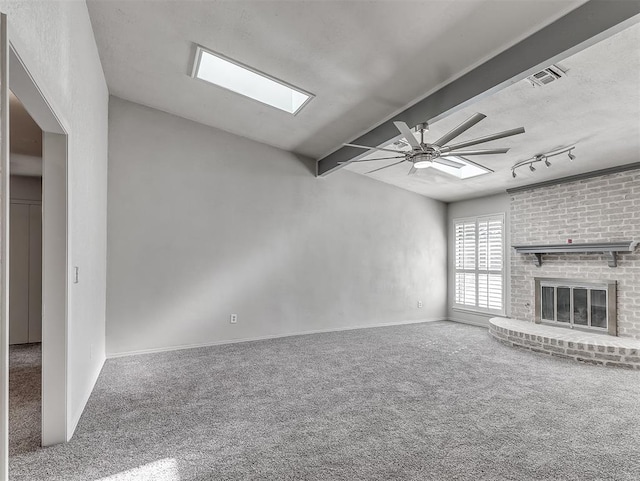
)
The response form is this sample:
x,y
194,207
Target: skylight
x,y
218,70
470,169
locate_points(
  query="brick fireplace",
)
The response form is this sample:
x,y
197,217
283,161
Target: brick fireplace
x,y
598,209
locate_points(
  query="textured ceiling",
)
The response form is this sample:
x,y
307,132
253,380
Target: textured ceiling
x,y
363,60
596,106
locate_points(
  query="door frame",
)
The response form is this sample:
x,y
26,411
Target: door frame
x,y
56,244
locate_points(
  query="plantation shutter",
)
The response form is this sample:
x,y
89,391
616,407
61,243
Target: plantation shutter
x,y
465,263
479,269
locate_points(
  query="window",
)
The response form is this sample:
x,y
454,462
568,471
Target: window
x,y
479,263
229,74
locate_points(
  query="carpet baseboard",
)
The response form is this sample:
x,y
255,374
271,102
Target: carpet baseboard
x,y
263,338
471,323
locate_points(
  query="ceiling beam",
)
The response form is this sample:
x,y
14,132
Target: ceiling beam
x,y
577,30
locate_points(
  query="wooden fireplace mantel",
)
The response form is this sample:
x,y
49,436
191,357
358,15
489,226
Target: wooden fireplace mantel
x,y
609,248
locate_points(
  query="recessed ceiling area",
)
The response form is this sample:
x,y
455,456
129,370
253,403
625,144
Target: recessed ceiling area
x,y
595,106
363,61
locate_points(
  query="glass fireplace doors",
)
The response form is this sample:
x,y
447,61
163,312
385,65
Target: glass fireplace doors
x,y
575,303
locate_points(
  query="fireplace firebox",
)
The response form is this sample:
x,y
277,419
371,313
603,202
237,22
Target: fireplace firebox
x,y
576,304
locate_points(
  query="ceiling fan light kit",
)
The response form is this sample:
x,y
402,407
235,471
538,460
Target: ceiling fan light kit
x,y
542,158
423,155
422,164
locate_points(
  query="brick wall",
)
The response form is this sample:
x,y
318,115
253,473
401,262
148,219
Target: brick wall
x,y
600,209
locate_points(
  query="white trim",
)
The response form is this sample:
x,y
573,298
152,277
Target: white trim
x,y
263,338
55,290
478,311
470,322
32,92
5,197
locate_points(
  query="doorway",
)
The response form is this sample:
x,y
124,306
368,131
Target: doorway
x,y
55,247
25,280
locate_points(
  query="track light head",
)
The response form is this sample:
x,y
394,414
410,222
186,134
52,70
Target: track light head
x,y
571,156
547,163
532,168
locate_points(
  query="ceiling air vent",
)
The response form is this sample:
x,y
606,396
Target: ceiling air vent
x,y
546,76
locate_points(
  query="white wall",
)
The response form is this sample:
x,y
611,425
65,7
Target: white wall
x,y
495,204
55,40
203,224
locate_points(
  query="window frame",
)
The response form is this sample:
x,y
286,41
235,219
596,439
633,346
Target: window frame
x,y
475,308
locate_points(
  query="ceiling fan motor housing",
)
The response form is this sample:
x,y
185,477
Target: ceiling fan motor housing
x,y
422,157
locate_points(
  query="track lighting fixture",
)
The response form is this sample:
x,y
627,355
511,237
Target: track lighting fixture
x,y
542,158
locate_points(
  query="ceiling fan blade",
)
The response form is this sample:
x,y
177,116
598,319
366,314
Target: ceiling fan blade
x,y
374,148
449,162
481,140
412,170
385,167
466,125
369,160
479,152
408,136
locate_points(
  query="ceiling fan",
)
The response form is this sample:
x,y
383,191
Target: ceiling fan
x,y
423,155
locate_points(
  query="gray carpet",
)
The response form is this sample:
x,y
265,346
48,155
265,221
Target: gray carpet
x,y
434,401
25,362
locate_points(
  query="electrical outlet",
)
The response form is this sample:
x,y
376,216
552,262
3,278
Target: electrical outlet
x,y
76,274
234,318
419,304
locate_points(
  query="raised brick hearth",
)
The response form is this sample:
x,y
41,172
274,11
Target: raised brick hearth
x,y
570,344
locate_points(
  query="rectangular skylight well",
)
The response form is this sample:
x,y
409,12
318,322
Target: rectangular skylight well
x,y
470,169
224,72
